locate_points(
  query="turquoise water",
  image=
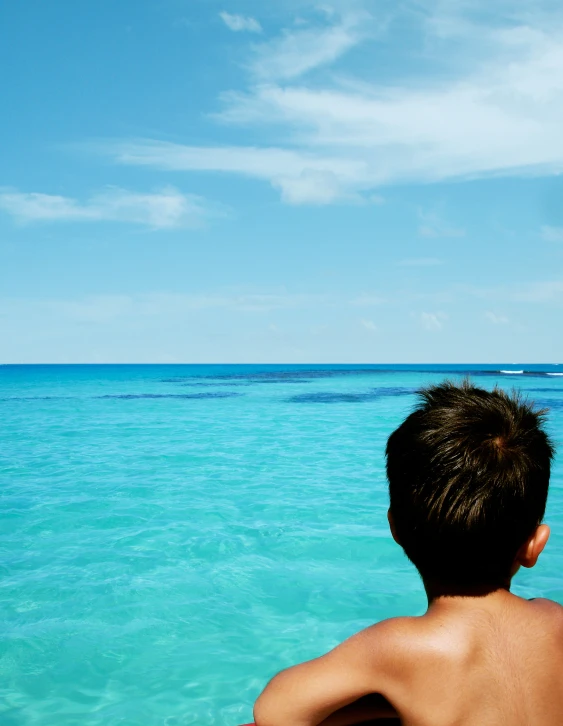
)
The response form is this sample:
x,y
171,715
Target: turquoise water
x,y
171,536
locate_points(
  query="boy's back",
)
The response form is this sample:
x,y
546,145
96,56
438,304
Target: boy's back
x,y
495,660
487,661
468,474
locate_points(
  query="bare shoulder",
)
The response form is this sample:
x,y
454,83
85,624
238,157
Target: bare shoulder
x,y
550,610
549,606
391,642
388,633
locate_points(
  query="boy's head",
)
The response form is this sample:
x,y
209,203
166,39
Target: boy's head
x,y
468,475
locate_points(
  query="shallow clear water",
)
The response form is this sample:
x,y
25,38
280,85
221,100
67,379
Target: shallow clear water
x,y
171,536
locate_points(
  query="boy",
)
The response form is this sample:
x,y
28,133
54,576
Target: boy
x,y
468,475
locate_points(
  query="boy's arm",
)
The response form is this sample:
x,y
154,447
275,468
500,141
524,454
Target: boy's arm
x,y
309,693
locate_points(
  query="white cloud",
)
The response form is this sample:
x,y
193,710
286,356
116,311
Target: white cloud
x,y
496,319
502,117
432,321
431,224
228,300
421,262
311,186
260,162
367,300
496,109
105,308
552,234
297,52
369,325
488,122
538,291
167,208
270,301
239,23
301,176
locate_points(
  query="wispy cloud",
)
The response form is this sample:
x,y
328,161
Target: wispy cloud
x,y
538,291
298,51
301,176
494,108
420,262
496,319
238,23
101,309
493,120
311,186
368,299
431,224
167,208
433,321
369,325
552,234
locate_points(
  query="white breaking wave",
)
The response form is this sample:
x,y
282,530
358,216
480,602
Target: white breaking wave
x,y
513,372
555,374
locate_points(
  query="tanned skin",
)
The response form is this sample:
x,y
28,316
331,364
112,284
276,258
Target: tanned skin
x,y
484,658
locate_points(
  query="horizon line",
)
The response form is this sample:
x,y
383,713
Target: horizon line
x,y
278,363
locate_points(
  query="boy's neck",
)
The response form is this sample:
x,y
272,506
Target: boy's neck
x,y
438,591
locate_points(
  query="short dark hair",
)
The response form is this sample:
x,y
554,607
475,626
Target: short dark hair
x,y
468,475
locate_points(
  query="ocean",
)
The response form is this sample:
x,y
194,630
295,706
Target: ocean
x,y
171,536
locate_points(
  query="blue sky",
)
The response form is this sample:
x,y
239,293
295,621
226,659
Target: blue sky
x,y
202,181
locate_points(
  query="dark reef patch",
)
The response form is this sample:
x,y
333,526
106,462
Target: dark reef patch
x,y
216,384
551,403
544,390
337,397
307,375
332,398
526,374
293,376
206,384
235,380
189,396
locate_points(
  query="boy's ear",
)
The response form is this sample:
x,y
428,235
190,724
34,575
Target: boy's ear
x,y
533,547
392,526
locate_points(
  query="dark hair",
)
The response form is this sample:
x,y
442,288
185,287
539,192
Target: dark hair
x,y
468,475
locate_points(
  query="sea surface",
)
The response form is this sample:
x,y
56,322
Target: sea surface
x,y
171,536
